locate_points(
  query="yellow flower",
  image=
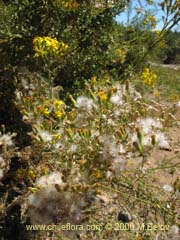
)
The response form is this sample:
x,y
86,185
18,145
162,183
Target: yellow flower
x,y
102,95
174,97
57,136
148,77
150,20
59,114
97,173
45,112
63,46
31,174
58,104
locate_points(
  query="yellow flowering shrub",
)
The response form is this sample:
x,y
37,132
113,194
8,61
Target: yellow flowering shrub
x,y
45,46
148,77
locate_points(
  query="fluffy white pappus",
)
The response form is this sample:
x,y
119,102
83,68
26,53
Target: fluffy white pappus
x,y
85,103
117,113
58,145
116,99
73,148
178,103
49,206
116,149
168,188
110,122
45,136
113,153
118,164
108,174
50,180
7,139
44,206
162,140
111,147
146,139
149,124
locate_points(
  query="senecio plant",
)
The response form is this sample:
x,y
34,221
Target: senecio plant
x,y
82,145
96,138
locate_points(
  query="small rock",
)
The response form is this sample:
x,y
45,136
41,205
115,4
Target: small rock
x,y
124,216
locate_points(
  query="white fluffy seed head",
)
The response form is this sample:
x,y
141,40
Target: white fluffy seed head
x,y
45,136
161,140
50,180
168,188
116,99
149,124
7,139
85,103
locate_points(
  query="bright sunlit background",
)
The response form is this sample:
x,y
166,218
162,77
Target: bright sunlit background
x,y
155,9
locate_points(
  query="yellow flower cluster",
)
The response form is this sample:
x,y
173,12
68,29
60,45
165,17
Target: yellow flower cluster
x,y
58,109
52,108
150,20
47,46
68,4
148,77
174,97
